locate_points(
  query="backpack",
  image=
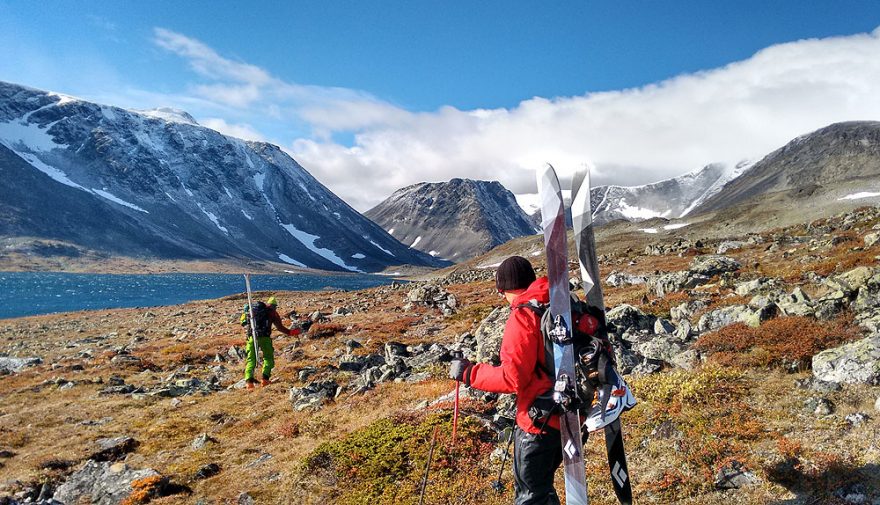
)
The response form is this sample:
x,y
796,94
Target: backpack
x,y
594,358
262,321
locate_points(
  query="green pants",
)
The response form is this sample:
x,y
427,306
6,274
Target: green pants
x,y
267,352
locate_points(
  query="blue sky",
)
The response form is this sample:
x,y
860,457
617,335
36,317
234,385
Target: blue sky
x,y
334,82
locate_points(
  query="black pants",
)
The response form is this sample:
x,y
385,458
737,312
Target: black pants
x,y
535,460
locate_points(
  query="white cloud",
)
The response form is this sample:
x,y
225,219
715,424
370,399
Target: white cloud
x,y
242,131
633,136
742,110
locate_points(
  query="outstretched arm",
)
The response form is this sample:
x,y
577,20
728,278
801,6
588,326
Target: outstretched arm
x,y
519,354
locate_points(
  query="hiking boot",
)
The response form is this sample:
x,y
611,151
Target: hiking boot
x,y
264,382
250,383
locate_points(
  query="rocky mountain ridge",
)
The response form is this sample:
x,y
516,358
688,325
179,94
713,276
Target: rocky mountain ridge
x,y
154,183
455,220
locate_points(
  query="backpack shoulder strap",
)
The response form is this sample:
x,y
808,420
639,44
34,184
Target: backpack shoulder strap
x,y
540,310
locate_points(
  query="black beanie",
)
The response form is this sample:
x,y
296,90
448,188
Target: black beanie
x,y
514,273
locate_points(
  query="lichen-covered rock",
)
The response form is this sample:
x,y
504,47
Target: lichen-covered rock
x,y
871,239
661,348
489,335
313,395
100,483
710,265
626,317
853,363
726,316
618,279
797,303
851,281
759,285
729,245
14,365
686,310
676,281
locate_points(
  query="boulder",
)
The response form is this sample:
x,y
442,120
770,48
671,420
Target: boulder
x,y
726,316
662,327
687,359
431,356
851,281
113,449
710,265
14,365
207,471
313,395
432,295
729,245
759,285
661,348
100,483
394,350
618,279
676,281
734,475
796,304
871,239
686,310
625,317
853,363
489,335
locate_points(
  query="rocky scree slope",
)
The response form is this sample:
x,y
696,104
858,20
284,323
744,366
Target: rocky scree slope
x,y
822,165
455,220
157,184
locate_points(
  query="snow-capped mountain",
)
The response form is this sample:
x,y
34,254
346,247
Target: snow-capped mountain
x,y
155,183
455,220
670,198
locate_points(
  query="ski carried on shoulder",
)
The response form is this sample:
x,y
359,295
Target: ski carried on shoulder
x,y
564,392
247,285
617,396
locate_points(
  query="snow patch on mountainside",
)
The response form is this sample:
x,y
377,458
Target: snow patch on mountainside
x,y
859,196
633,212
386,251
52,172
120,201
287,259
308,240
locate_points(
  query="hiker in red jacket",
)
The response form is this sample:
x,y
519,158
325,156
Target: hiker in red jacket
x,y
538,446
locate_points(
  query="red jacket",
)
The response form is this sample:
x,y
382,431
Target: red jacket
x,y
522,348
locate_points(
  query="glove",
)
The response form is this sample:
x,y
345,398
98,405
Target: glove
x,y
460,370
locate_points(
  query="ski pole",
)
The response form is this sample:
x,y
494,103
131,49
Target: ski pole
x,y
428,466
455,355
247,284
497,485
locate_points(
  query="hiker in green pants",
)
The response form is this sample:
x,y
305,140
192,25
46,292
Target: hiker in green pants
x,y
265,316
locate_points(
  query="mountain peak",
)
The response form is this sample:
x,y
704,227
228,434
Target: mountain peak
x,y
169,114
456,220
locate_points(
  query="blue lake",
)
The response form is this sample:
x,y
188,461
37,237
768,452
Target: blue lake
x,y
32,293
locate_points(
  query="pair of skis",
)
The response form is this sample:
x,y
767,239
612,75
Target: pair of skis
x,y
247,284
556,246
